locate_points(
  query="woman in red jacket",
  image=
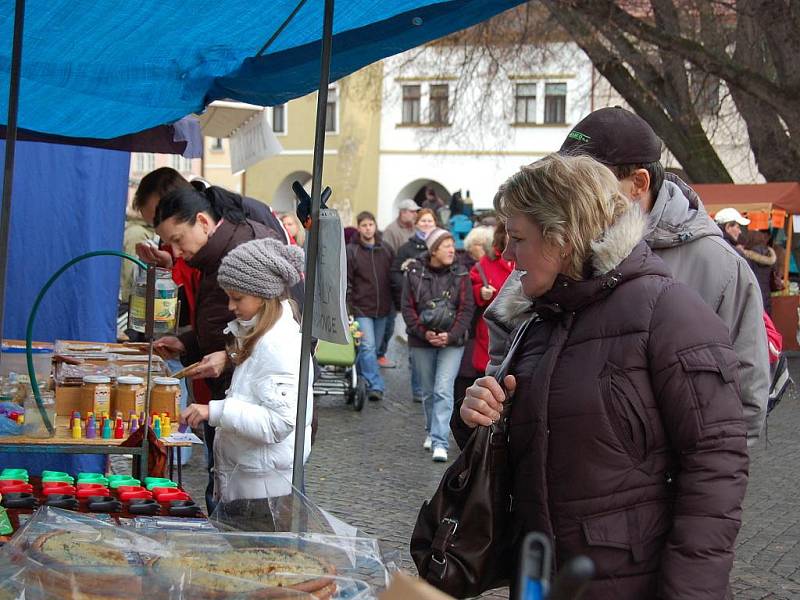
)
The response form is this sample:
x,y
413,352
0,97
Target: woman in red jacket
x,y
488,275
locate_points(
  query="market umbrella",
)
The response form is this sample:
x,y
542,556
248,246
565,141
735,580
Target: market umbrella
x,y
103,70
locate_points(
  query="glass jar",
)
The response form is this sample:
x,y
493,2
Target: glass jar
x,y
128,396
165,396
166,302
96,394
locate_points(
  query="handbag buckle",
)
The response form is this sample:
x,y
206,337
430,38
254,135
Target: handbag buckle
x,y
452,522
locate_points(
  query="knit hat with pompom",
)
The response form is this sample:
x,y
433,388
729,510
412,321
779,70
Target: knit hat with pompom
x,y
263,268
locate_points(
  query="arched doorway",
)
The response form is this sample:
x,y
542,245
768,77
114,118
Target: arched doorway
x,y
416,191
284,199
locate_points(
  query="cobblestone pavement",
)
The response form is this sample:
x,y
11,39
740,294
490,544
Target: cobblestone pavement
x,y
370,469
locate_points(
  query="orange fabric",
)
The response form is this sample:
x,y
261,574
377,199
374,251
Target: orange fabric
x,y
758,220
778,218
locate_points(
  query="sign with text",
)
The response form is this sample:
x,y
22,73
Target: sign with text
x,y
330,308
253,142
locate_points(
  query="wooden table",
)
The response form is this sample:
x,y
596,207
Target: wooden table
x,y
64,443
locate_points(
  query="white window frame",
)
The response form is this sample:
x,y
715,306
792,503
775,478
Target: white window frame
x,y
536,99
544,102
427,113
420,112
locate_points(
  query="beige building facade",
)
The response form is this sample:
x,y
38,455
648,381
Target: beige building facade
x,y
350,165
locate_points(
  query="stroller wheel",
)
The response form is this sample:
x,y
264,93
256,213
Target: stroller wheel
x,y
360,394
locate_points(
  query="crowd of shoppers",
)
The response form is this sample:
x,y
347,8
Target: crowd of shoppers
x,y
626,325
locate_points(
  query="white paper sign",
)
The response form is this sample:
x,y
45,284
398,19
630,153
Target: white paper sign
x,y
330,308
177,437
253,142
796,223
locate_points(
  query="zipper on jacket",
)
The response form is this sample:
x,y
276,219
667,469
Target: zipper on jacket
x,y
377,287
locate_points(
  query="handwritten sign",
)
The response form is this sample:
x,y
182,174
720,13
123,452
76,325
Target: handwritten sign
x,y
253,142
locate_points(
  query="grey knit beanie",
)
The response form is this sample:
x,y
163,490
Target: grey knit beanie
x,y
435,237
264,268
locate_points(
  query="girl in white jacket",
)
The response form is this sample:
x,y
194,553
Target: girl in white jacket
x,y
255,423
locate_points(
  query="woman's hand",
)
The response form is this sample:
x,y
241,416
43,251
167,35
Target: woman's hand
x,y
484,400
487,291
169,347
435,339
194,415
211,366
150,253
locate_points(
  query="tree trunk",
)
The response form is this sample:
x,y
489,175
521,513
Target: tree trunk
x,y
677,125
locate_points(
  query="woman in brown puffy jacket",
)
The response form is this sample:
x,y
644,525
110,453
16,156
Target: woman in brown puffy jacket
x,y
627,440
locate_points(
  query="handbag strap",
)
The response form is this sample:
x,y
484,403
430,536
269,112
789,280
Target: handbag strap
x,y
482,274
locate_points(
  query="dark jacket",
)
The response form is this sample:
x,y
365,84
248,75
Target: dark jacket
x,y
682,234
762,260
369,290
413,249
424,283
212,314
627,439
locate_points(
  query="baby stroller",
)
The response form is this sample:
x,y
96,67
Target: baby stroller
x,y
338,375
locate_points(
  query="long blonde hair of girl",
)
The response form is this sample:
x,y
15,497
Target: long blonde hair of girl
x,y
269,313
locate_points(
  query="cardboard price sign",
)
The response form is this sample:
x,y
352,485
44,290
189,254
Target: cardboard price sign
x,y
330,308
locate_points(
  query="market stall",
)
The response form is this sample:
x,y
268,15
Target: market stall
x,y
126,84
773,207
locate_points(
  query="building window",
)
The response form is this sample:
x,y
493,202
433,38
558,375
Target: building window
x,y
525,100
331,120
181,164
216,145
555,103
279,118
145,162
439,102
411,104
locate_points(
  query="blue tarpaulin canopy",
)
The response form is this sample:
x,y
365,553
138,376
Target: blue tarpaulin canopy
x,y
109,68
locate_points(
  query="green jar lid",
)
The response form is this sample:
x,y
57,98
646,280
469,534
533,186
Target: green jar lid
x,y
118,482
92,478
163,484
54,474
20,474
54,478
148,480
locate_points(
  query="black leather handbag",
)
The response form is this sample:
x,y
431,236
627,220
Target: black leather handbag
x,y
439,314
462,542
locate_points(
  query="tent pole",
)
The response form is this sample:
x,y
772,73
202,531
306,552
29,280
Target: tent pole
x,y
11,145
787,259
312,248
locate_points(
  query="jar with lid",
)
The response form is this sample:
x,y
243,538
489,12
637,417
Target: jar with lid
x,y
165,396
166,302
128,396
96,394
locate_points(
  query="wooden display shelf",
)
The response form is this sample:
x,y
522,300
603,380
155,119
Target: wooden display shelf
x,y
64,443
64,436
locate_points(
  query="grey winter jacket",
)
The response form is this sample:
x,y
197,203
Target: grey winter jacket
x,y
682,234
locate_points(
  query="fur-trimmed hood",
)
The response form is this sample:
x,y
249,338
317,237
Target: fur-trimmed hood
x,y
618,255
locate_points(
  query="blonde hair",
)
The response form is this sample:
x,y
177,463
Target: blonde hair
x,y
300,238
574,199
269,313
482,236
